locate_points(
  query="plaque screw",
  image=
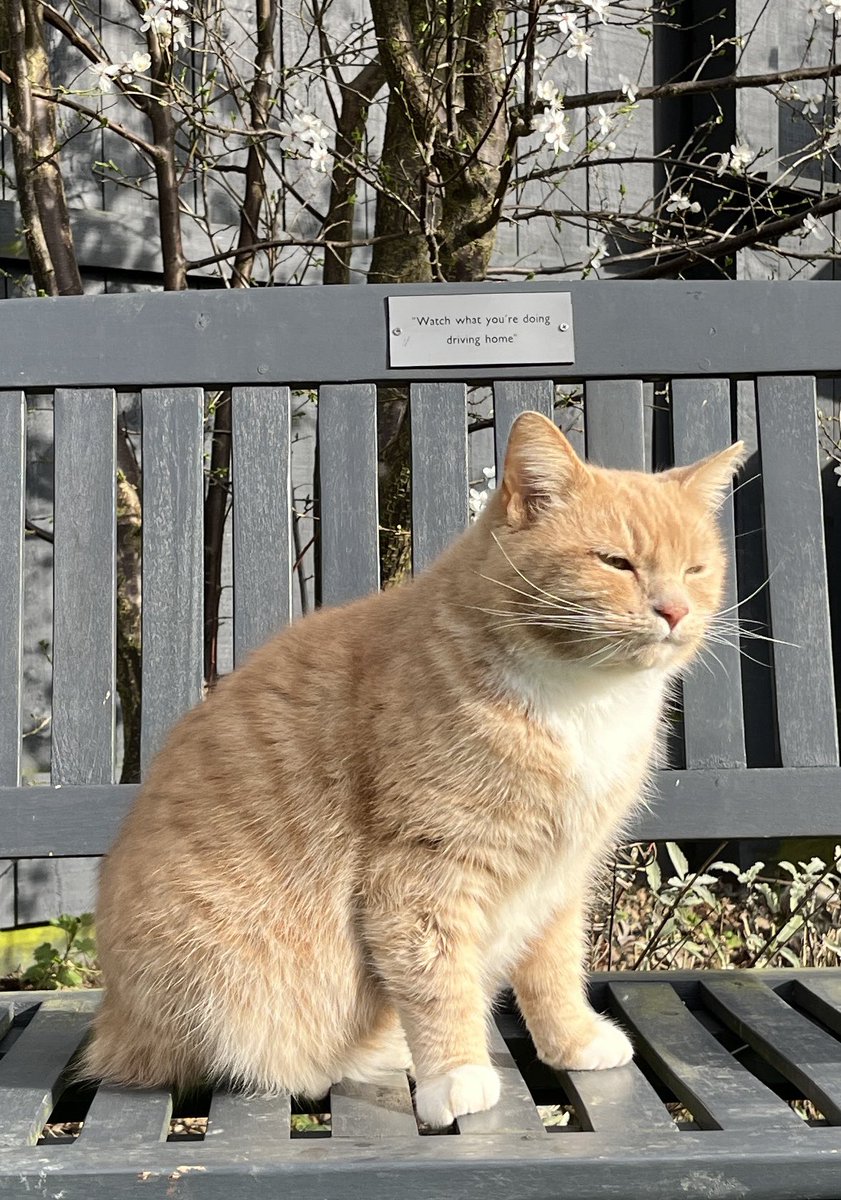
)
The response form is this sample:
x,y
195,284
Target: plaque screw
x,y
262,369
397,332
563,327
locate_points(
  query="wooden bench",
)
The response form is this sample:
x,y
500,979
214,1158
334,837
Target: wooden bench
x,y
711,343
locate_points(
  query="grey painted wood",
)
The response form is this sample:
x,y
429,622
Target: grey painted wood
x,y
373,1110
718,1092
515,1113
757,674
512,398
617,1101
7,1015
760,802
84,587
348,520
439,469
31,1072
119,1117
712,696
238,1123
797,585
262,515
790,1042
821,996
613,415
313,335
12,480
172,561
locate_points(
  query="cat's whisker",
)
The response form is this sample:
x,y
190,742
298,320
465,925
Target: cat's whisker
x,y
713,655
755,592
739,650
537,587
740,631
703,662
556,601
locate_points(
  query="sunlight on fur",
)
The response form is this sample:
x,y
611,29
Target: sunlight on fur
x,y
396,807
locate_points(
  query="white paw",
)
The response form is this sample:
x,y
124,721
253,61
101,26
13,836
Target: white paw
x,y
608,1048
468,1089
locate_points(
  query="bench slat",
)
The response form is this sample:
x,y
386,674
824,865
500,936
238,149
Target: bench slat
x,y
348,509
12,480
32,1070
760,802
617,1101
717,1090
7,1016
821,996
373,1110
797,583
512,398
118,1117
84,582
712,699
173,573
516,1111
237,1122
614,423
262,512
439,468
785,1038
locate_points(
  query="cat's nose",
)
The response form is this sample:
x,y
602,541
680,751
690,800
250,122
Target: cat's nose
x,y
672,611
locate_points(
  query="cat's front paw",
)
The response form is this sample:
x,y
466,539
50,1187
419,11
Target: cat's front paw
x,y
467,1089
607,1047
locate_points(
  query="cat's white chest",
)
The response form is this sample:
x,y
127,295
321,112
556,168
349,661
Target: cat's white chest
x,y
600,725
601,721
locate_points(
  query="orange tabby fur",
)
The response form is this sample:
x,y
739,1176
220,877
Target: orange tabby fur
x,y
396,806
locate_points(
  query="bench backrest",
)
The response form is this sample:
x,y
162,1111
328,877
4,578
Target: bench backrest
x,y
665,368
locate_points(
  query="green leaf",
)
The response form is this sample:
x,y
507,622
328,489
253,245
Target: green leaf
x,y
678,858
653,875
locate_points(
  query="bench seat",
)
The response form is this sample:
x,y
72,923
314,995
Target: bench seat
x,y
704,1110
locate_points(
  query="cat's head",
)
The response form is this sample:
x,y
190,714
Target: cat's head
x,y
601,565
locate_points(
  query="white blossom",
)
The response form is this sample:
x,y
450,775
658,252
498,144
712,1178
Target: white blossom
x,y
566,20
814,226
178,32
309,128
319,156
679,202
837,471
739,157
629,89
596,250
552,124
581,45
106,73
813,104
605,121
479,497
833,7
164,16
124,71
548,91
599,7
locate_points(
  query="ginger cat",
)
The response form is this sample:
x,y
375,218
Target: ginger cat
x,y
396,807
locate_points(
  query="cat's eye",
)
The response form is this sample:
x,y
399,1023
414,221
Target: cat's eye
x,y
616,561
695,570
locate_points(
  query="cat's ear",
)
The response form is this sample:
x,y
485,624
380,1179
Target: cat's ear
x,y
710,478
541,468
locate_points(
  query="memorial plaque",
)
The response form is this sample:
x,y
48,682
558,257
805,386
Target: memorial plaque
x,y
480,329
